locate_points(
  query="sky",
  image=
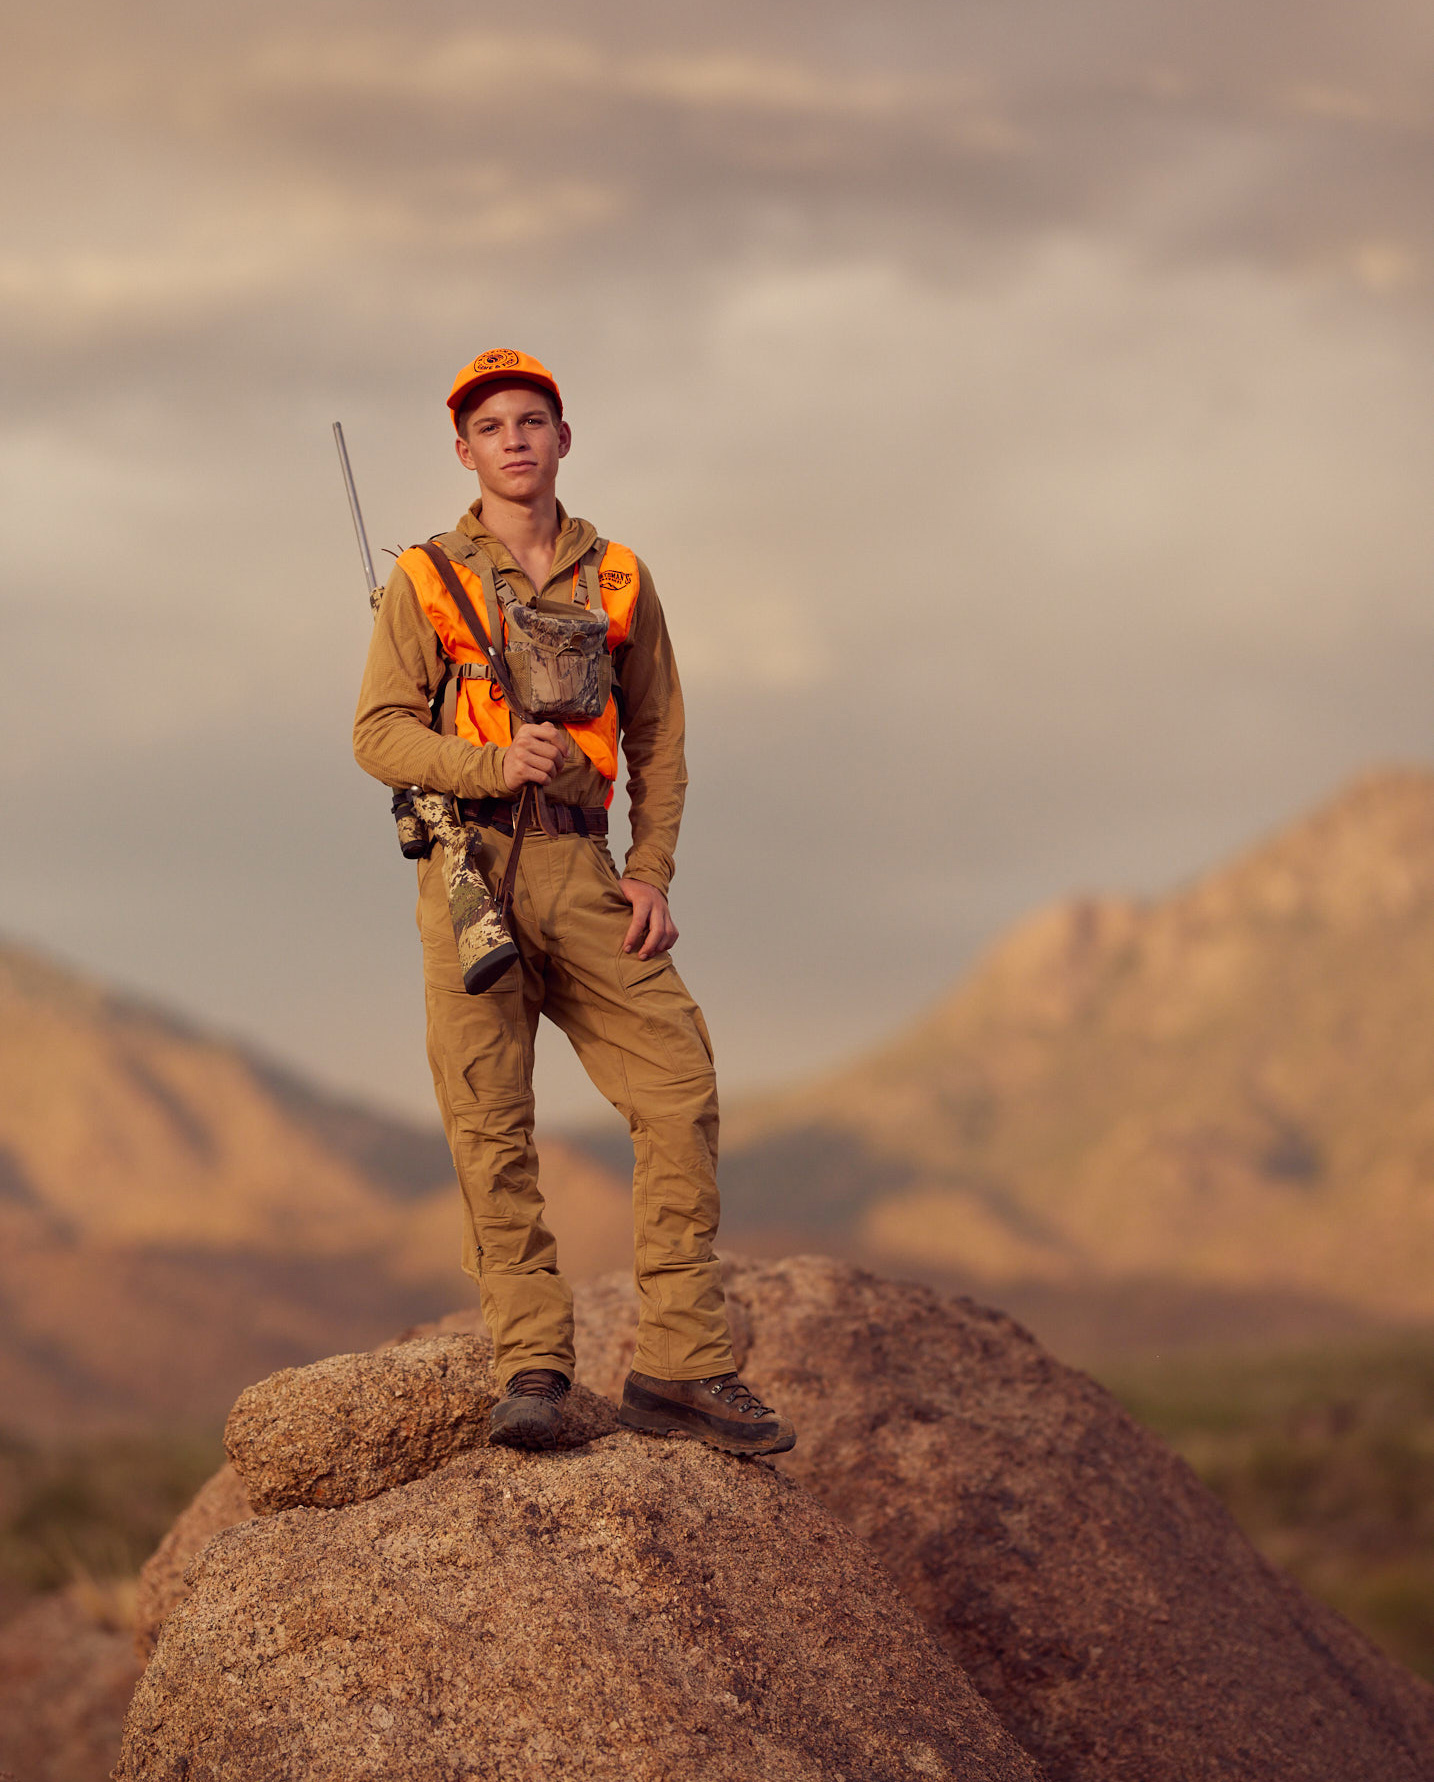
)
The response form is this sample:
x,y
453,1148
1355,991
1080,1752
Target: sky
x,y
1025,411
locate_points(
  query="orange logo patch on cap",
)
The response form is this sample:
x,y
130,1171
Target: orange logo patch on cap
x,y
495,364
610,580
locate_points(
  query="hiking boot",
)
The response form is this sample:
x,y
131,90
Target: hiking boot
x,y
720,1411
530,1412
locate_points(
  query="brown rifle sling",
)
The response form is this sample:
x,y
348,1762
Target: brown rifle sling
x,y
492,649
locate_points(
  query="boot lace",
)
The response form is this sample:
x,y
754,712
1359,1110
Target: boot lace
x,y
539,1382
731,1391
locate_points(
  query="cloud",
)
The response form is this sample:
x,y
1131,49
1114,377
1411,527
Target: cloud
x,y
1027,420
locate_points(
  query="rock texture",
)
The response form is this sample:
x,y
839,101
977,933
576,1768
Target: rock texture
x,y
218,1504
1097,1595
355,1425
67,1668
332,1433
635,1610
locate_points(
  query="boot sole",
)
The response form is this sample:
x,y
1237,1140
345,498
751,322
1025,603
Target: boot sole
x,y
518,1435
530,1444
664,1423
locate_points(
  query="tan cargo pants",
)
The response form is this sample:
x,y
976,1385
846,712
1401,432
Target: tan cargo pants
x,y
643,1041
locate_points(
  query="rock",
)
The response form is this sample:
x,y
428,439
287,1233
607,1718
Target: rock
x,y
351,1426
631,1611
67,1667
1096,1593
292,1429
1099,1597
218,1504
355,1425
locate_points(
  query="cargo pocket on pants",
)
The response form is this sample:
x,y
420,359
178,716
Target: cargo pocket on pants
x,y
640,980
635,972
494,1061
656,995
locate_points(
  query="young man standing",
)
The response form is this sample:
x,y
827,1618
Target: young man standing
x,y
593,945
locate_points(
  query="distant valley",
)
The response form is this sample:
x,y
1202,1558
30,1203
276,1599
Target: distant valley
x,y
179,1217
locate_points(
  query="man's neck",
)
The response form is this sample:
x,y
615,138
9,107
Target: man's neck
x,y
530,533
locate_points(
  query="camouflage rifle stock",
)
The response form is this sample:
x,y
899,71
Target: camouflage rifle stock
x,y
485,947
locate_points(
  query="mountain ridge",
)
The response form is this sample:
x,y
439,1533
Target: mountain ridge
x,y
157,1179
1232,1084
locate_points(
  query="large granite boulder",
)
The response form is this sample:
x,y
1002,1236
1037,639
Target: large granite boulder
x,y
1098,1596
342,1429
635,1610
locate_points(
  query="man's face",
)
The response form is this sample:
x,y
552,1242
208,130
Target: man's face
x,y
513,442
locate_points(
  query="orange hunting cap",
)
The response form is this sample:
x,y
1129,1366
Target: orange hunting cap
x,y
501,362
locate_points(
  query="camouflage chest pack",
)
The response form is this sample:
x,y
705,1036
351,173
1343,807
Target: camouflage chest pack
x,y
549,658
557,659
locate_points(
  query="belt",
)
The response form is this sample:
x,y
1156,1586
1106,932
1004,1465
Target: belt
x,y
566,819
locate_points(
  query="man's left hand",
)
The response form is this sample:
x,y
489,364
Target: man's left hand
x,y
650,916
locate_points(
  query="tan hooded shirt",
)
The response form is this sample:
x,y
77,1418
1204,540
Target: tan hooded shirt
x,y
395,742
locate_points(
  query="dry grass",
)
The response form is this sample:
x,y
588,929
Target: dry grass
x,y
89,1514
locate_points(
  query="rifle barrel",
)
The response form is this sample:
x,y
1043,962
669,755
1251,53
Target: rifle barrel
x,y
354,509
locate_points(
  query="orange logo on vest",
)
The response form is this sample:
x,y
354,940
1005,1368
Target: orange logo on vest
x,y
612,580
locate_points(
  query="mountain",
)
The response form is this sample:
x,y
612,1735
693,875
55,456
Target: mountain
x,y
178,1216
1209,1113
1226,1090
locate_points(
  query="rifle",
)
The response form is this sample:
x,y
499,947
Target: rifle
x,y
414,841
485,947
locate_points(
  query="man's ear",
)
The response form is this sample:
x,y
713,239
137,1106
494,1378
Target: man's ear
x,y
465,456
565,438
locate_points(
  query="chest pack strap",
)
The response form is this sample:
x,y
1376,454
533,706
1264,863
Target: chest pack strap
x,y
497,630
587,575
592,564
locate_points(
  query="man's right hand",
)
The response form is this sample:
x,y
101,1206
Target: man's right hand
x,y
535,754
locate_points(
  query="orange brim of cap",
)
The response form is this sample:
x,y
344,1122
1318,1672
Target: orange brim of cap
x,y
501,364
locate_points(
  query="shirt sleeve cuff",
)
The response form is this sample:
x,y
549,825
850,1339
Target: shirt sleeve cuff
x,y
483,773
650,866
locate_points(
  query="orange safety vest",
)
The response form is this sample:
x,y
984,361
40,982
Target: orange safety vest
x,y
481,713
